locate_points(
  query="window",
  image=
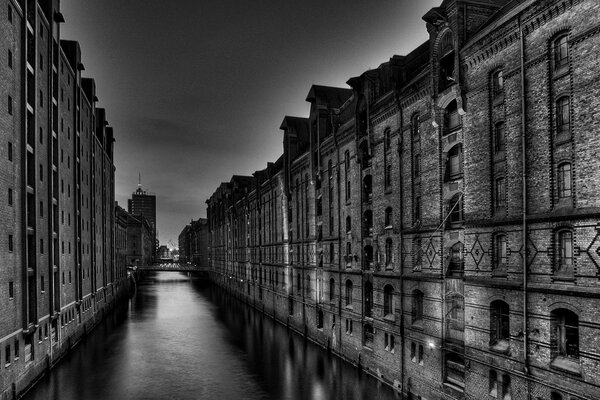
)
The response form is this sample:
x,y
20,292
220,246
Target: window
x,y
454,163
41,99
10,243
506,392
446,61
493,383
331,253
331,289
348,297
500,194
11,290
10,59
368,299
499,137
420,355
417,211
455,311
320,319
500,251
388,217
348,224
10,105
499,326
388,252
564,181
451,117
388,176
348,253
564,335
10,197
563,115
556,396
10,14
387,139
455,209
561,52
497,83
388,300
414,126
10,151
565,251
413,352
417,165
417,306
7,355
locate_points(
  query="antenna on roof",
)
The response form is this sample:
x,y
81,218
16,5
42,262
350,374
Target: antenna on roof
x,y
140,180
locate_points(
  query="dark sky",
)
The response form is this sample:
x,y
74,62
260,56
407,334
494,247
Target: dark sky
x,y
196,89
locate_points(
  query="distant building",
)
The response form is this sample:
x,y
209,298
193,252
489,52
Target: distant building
x,y
120,238
144,203
193,242
164,253
140,240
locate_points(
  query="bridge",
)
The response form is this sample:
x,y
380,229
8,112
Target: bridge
x,y
173,266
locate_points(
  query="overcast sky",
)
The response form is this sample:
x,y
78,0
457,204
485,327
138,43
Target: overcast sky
x,y
196,90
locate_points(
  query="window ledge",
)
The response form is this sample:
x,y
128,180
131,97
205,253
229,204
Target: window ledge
x,y
389,317
418,325
560,71
498,98
562,138
501,346
565,364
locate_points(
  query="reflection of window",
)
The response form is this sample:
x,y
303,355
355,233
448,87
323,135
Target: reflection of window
x,y
563,115
561,52
348,292
564,180
388,300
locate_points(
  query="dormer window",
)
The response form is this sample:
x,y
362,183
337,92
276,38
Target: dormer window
x,y
446,61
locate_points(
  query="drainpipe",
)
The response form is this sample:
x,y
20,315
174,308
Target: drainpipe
x,y
524,194
339,213
401,227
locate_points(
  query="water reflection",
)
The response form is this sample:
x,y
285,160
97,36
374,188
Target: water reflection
x,y
179,339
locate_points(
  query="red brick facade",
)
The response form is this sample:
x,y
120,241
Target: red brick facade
x,y
438,225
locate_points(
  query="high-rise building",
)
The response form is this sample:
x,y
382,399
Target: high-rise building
x,y
58,271
143,203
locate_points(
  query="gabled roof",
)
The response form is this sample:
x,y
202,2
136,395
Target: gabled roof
x,y
332,97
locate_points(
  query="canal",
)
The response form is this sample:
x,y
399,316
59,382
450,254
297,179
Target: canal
x,y
181,339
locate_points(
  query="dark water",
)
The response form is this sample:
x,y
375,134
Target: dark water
x,y
179,339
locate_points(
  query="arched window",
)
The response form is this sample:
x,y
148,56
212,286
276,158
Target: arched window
x,y
331,289
388,300
388,217
564,336
348,224
417,306
560,49
387,139
451,117
499,326
348,297
414,126
564,180
564,242
388,252
563,115
497,83
368,299
499,138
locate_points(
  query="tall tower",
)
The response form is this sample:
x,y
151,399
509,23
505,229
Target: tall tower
x,y
143,203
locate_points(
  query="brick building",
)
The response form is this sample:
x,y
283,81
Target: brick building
x,y
193,243
438,223
58,272
144,203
